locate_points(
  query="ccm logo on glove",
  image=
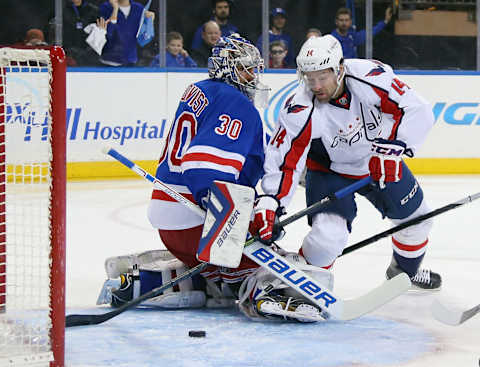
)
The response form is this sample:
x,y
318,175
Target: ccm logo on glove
x,y
385,164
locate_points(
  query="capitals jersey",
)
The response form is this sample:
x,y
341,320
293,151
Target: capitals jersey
x,y
337,136
217,135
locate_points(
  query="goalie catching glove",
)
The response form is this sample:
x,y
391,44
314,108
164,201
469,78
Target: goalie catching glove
x,y
266,212
385,165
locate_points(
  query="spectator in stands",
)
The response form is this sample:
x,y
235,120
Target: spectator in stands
x,y
349,38
176,55
210,36
34,37
278,53
278,20
123,18
221,12
313,32
77,14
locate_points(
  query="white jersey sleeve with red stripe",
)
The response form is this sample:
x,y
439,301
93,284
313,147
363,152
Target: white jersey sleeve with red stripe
x,y
287,150
408,115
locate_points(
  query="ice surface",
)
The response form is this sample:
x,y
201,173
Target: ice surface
x,y
108,218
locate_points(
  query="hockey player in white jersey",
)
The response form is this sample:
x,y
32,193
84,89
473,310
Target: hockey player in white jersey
x,y
347,120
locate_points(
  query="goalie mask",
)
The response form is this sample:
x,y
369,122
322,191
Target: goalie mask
x,y
237,62
321,53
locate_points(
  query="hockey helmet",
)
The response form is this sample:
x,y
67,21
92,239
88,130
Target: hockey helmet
x,y
230,56
320,53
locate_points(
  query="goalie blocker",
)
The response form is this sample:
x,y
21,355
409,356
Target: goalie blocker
x,y
225,230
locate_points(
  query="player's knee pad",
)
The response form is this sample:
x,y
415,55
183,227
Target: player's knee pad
x,y
326,240
417,233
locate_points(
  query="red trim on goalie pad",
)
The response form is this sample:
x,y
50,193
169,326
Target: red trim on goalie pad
x,y
176,287
183,245
404,247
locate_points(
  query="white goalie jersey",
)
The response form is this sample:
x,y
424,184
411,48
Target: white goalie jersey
x,y
337,136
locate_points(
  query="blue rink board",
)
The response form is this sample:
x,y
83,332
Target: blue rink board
x,y
145,338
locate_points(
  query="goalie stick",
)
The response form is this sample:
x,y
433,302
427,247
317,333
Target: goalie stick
x,y
329,304
452,316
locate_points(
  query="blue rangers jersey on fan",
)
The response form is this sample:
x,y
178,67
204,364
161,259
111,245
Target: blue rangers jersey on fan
x,y
217,134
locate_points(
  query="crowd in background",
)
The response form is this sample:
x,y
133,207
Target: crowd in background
x,y
193,27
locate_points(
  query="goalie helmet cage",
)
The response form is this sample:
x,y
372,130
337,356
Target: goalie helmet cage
x,y
32,206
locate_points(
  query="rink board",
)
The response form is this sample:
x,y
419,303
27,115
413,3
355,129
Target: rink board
x,y
132,109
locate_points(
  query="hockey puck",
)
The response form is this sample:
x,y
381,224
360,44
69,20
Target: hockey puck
x,y
197,333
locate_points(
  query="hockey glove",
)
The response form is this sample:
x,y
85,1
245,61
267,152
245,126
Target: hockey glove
x,y
385,164
266,211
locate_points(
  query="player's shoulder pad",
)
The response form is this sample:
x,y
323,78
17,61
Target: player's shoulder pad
x,y
298,103
370,72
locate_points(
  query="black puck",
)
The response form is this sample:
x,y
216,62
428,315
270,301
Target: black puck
x,y
197,333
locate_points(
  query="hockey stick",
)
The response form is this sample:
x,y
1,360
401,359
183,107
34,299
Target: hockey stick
x,y
260,254
452,316
410,223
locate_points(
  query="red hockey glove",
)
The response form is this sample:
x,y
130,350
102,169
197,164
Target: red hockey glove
x,y
266,211
386,162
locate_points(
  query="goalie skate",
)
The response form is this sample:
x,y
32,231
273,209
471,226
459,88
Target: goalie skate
x,y
287,308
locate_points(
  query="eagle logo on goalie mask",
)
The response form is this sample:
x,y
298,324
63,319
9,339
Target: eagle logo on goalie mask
x,y
232,55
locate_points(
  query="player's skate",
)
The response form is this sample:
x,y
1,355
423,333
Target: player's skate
x,y
116,265
425,279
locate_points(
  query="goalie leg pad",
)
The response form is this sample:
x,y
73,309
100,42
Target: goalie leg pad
x,y
176,300
119,291
188,293
116,265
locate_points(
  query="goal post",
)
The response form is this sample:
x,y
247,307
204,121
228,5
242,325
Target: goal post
x,y
32,206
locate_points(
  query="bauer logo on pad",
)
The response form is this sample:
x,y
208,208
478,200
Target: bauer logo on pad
x,y
225,230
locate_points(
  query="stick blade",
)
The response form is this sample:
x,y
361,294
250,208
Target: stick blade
x,y
377,297
81,320
452,316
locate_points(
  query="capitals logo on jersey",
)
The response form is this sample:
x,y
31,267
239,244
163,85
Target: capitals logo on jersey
x,y
295,108
375,71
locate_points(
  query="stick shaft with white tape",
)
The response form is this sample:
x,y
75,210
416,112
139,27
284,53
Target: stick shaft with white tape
x,y
157,183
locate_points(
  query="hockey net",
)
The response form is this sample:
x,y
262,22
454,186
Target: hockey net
x,y
32,206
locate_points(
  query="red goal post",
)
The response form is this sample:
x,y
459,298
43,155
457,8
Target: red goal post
x,y
32,206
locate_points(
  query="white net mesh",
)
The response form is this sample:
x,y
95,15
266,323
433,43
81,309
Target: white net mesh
x,y
24,219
